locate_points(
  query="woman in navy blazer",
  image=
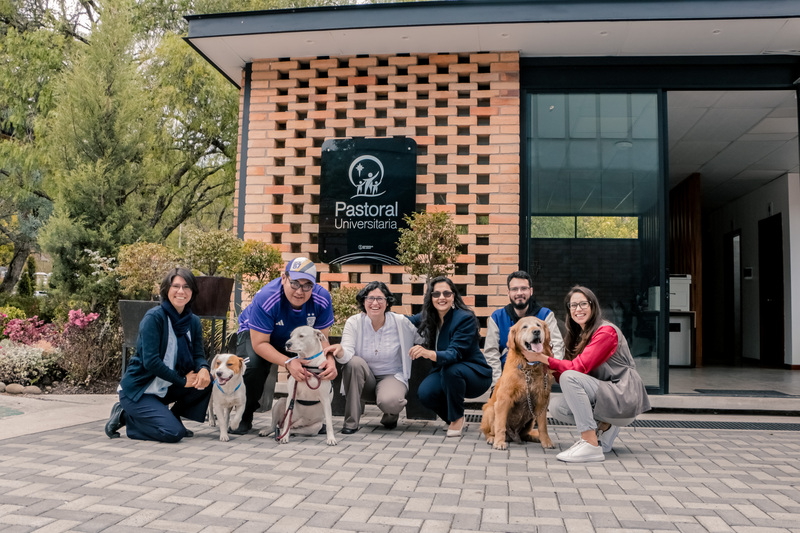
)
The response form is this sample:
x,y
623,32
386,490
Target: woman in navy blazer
x,y
451,335
169,367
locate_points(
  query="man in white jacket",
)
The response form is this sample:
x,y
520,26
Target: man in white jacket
x,y
520,294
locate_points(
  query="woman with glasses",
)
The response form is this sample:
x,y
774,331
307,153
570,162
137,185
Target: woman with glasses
x,y
451,334
169,367
601,389
374,352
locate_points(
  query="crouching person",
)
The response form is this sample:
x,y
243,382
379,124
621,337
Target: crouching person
x,y
374,352
169,367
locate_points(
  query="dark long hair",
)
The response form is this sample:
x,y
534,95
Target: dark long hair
x,y
577,339
430,316
371,286
186,274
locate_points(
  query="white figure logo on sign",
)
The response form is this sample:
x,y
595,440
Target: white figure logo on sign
x,y
367,177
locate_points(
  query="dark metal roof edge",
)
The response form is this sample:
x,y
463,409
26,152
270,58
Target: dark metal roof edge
x,y
350,17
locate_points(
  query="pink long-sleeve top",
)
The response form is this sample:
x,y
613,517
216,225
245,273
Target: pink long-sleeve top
x,y
602,346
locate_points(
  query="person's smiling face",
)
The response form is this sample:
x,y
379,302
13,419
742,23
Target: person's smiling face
x,y
297,292
580,309
375,303
442,297
179,294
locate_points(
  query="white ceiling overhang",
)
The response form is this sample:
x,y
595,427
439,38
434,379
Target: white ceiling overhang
x,y
584,28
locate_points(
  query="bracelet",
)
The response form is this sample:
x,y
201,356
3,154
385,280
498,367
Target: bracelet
x,y
289,361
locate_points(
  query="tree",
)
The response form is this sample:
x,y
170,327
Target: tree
x,y
112,129
35,39
26,281
429,245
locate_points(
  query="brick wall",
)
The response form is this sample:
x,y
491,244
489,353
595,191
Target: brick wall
x,y
463,110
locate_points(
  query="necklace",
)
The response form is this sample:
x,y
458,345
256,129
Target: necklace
x,y
378,340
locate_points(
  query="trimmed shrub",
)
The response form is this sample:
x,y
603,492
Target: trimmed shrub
x,y
27,365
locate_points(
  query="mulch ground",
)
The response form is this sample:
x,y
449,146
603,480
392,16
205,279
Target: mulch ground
x,y
99,387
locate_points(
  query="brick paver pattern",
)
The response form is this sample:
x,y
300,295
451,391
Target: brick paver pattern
x,y
410,479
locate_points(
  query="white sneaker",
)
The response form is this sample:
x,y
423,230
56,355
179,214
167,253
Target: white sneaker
x,y
582,452
606,438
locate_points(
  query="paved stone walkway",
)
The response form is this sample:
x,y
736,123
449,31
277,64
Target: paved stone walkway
x,y
411,479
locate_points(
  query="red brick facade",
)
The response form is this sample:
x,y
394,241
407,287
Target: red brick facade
x,y
463,110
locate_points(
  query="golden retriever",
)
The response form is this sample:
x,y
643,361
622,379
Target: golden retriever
x,y
522,393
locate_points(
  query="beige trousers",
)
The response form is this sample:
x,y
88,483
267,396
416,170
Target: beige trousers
x,y
361,386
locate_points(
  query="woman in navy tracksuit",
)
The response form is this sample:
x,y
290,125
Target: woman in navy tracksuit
x,y
451,334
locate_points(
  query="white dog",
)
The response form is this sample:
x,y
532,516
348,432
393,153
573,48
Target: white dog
x,y
227,393
310,406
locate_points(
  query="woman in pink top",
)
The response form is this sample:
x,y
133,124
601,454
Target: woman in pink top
x,y
598,379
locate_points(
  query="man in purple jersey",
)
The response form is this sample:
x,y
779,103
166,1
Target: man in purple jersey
x,y
295,299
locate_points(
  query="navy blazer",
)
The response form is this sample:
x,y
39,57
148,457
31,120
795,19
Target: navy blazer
x,y
458,342
151,347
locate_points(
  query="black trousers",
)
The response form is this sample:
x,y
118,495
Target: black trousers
x,y
255,375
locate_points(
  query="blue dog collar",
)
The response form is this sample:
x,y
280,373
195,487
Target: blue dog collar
x,y
312,357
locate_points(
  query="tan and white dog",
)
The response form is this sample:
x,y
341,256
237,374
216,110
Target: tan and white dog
x,y
227,393
310,401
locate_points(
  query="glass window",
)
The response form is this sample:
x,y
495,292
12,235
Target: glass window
x,y
594,182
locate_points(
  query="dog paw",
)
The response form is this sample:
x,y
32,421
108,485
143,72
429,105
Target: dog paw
x,y
547,443
489,440
331,441
500,446
212,423
284,440
264,432
224,438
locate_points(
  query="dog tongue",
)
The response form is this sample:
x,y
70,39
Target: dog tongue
x,y
537,347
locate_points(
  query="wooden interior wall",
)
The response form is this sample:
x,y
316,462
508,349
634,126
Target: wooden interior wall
x,y
685,248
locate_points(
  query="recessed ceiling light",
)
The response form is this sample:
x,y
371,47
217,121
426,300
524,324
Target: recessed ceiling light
x,y
504,35
603,33
716,32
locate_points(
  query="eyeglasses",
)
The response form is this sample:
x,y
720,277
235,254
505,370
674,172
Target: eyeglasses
x,y
179,287
437,294
376,299
519,289
583,305
297,285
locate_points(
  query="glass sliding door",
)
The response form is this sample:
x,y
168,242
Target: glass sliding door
x,y
595,213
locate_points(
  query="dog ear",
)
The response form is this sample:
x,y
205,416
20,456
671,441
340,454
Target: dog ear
x,y
511,343
547,349
214,362
321,336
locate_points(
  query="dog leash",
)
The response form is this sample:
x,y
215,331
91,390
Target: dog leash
x,y
290,408
528,383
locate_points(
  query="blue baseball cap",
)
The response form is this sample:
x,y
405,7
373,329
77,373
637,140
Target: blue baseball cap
x,y
302,268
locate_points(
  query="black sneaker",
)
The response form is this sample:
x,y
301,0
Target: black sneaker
x,y
115,421
243,429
